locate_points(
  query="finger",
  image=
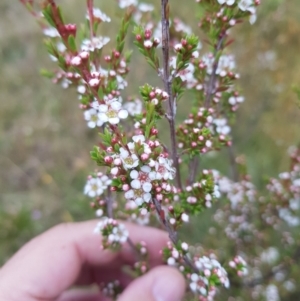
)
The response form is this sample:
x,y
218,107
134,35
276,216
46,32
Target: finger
x,y
81,295
58,255
160,284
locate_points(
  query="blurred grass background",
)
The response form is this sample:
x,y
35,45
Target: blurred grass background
x,y
45,144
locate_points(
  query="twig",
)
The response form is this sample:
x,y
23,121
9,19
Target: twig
x,y
212,79
168,86
173,235
193,168
90,6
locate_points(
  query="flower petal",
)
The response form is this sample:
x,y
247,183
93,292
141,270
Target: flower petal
x,y
136,184
123,114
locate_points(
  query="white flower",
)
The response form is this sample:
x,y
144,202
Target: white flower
x,y
270,255
142,179
138,195
122,83
127,3
182,27
185,218
95,43
81,89
51,32
245,5
96,186
228,2
118,233
221,126
98,14
130,160
148,44
164,169
145,7
92,116
112,112
272,293
133,107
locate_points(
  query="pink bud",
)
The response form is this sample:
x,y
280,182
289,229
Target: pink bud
x,y
94,82
154,131
152,94
158,189
148,33
108,160
125,187
76,61
118,161
159,197
144,157
116,54
151,144
84,55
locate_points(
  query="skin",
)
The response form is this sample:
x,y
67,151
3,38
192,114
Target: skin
x,y
49,266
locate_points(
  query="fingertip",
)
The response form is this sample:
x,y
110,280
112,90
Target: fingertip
x,y
159,284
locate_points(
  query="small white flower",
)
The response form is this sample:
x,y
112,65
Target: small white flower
x,y
51,32
95,43
133,107
145,7
112,112
76,61
81,89
127,3
228,2
129,160
122,83
139,196
185,218
96,186
164,169
94,82
148,44
118,233
93,118
245,5
142,179
98,14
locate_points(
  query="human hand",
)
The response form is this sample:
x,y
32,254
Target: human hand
x,y
70,255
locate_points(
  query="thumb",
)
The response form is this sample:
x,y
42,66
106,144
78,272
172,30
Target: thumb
x,y
160,284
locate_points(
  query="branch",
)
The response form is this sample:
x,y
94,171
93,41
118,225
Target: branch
x,y
168,86
173,235
212,79
193,168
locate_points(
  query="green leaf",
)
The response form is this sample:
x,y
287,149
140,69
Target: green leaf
x,y
72,43
47,73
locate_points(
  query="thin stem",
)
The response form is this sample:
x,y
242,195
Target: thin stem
x,y
193,168
90,6
173,235
213,77
168,86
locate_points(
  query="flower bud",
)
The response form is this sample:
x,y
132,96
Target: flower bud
x,y
108,160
